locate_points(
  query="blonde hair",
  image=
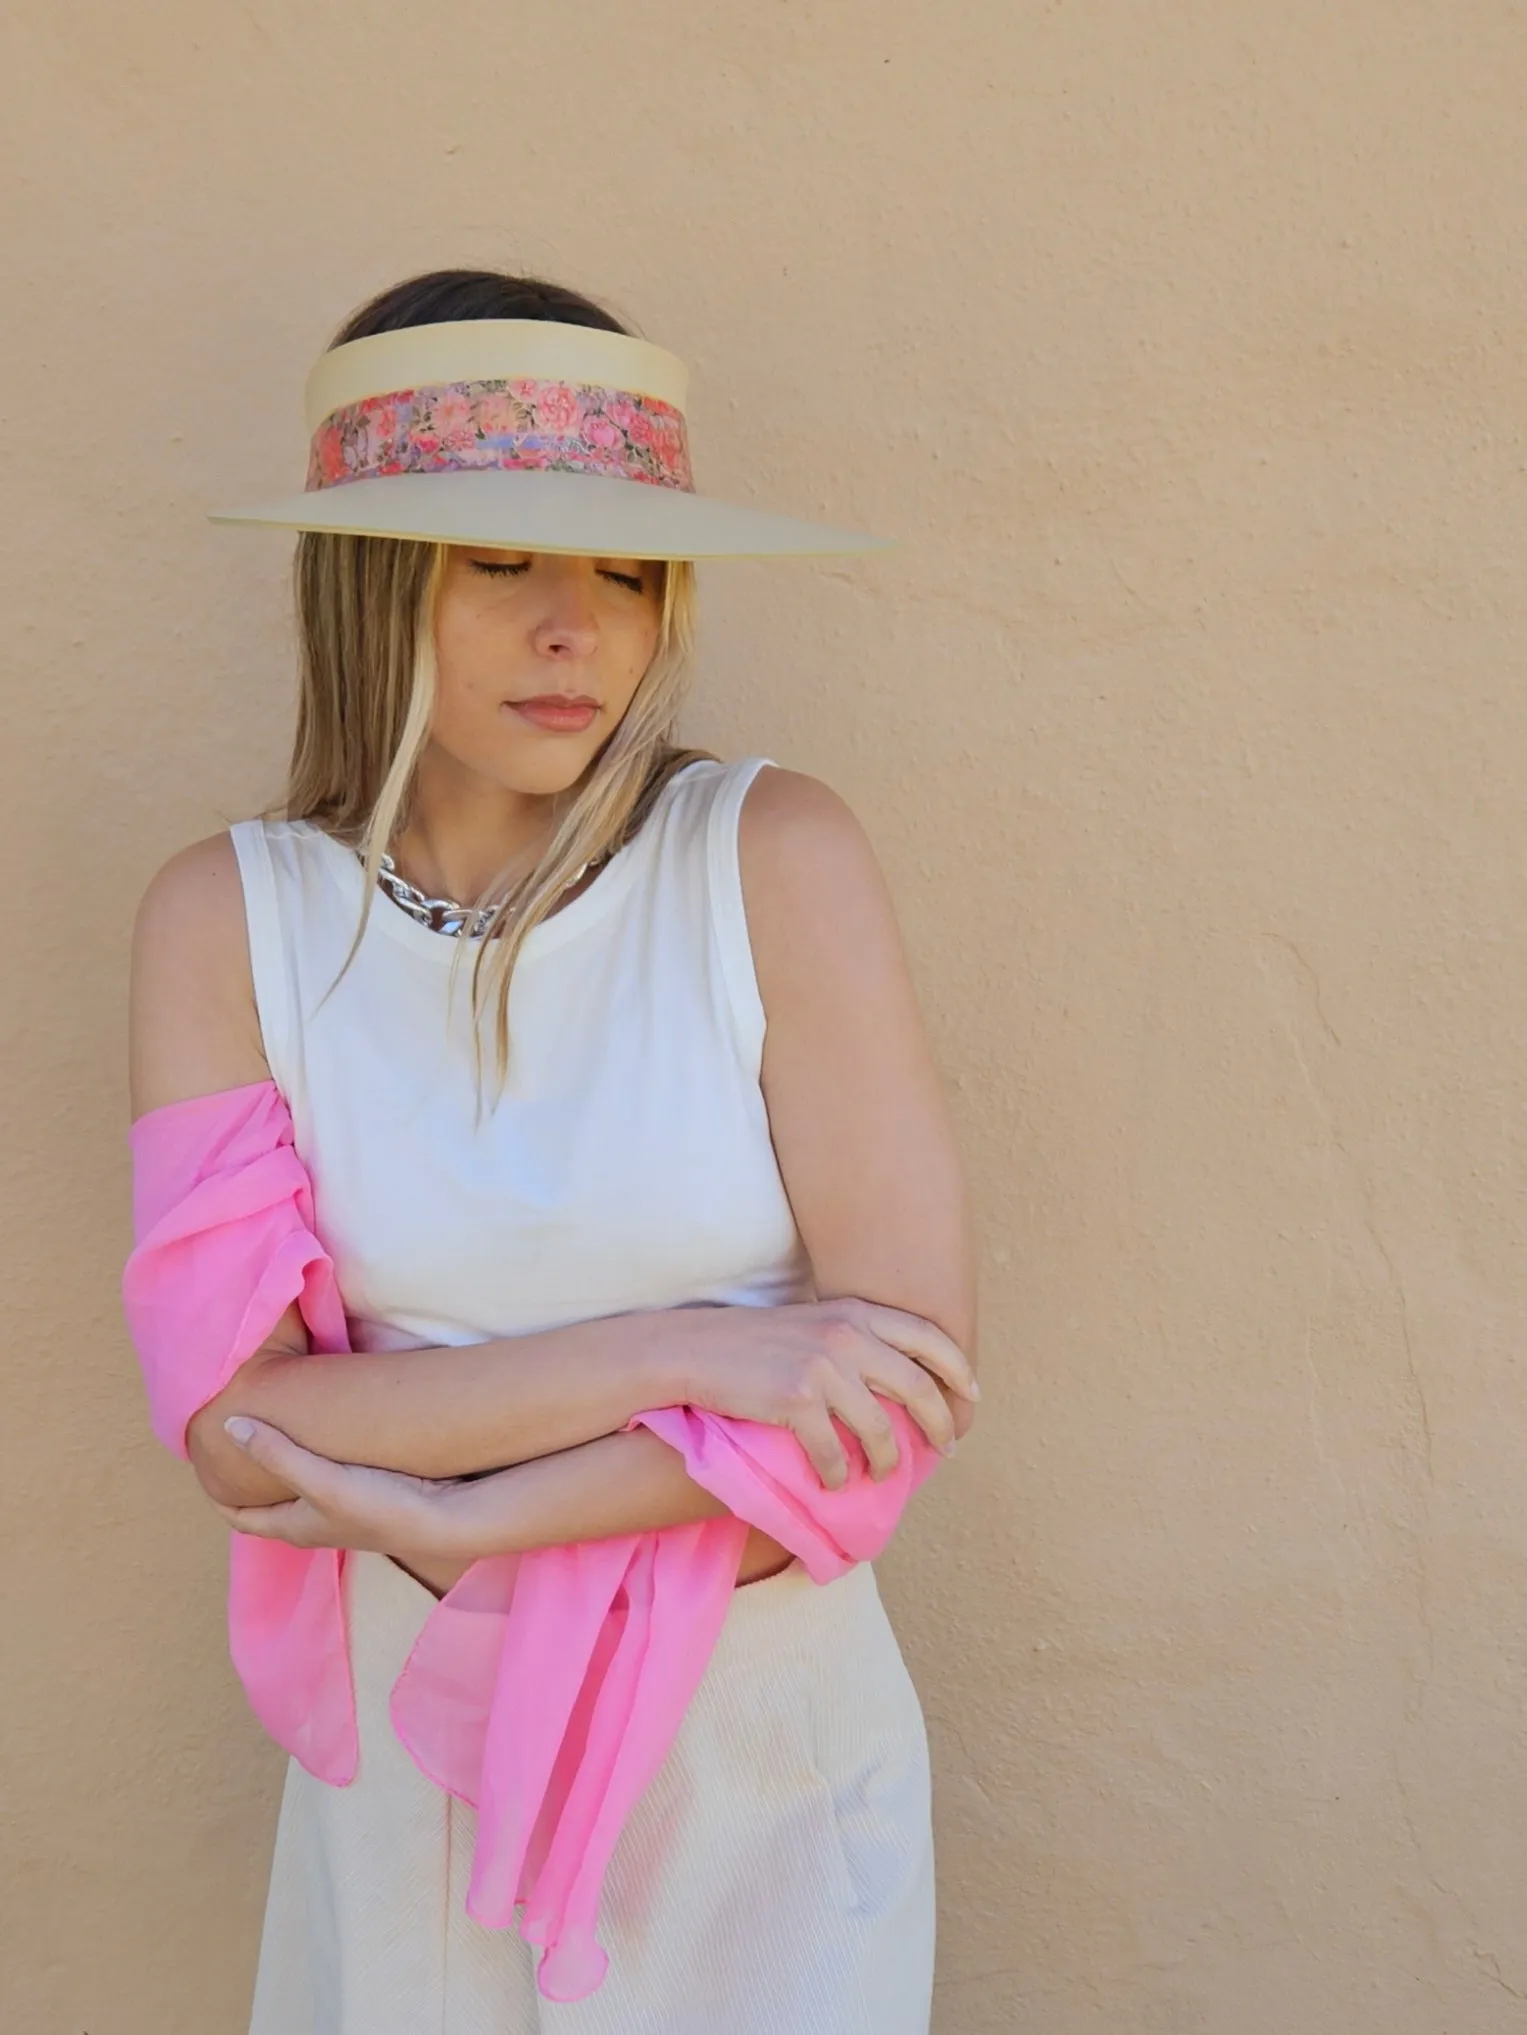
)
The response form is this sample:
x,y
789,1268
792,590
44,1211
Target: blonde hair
x,y
366,630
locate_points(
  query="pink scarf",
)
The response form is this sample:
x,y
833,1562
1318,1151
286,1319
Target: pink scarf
x,y
546,1688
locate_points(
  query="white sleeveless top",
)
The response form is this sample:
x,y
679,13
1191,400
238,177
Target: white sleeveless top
x,y
629,1163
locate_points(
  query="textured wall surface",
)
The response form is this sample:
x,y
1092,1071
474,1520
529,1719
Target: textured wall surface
x,y
1182,349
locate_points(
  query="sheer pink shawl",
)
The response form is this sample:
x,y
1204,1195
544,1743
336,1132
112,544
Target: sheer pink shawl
x,y
545,1688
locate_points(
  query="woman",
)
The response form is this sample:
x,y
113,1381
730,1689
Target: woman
x,y
710,1165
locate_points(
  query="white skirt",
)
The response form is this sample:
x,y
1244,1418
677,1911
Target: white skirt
x,y
776,1877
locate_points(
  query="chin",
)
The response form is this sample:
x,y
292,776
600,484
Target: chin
x,y
547,768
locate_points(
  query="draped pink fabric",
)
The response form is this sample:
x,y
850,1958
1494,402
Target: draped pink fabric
x,y
223,1244
545,1688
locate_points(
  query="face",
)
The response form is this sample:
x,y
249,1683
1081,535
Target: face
x,y
539,657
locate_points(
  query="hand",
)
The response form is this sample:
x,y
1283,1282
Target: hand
x,y
961,1411
338,1504
801,1365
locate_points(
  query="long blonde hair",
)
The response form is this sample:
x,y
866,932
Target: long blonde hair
x,y
366,628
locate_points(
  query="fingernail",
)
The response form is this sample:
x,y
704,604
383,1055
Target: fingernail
x,y
950,1447
975,1389
241,1429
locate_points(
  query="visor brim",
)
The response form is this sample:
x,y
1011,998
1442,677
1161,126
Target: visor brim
x,y
591,515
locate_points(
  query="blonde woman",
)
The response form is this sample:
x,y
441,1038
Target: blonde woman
x,y
700,1157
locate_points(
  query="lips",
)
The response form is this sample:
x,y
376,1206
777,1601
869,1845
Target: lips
x,y
558,713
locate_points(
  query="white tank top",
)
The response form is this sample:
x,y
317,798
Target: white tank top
x,y
628,1165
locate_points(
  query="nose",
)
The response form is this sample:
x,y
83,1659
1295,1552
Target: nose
x,y
567,627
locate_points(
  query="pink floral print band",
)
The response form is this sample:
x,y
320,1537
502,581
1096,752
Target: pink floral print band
x,y
547,426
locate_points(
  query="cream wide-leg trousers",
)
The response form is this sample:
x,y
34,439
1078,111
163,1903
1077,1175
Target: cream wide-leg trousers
x,y
776,1878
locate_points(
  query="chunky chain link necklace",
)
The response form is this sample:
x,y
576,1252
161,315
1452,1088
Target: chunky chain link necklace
x,y
443,914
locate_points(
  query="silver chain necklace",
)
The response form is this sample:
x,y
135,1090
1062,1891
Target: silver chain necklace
x,y
443,914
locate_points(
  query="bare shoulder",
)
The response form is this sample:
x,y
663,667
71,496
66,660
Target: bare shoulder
x,y
192,912
798,833
817,903
192,1019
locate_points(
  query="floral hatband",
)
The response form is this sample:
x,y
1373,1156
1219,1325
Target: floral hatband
x,y
558,427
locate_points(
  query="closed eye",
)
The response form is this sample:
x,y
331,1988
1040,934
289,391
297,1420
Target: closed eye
x,y
496,569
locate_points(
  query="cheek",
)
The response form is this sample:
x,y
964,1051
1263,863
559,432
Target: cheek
x,y
470,659
637,648
461,711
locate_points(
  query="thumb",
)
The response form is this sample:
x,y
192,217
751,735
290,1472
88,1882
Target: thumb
x,y
311,1475
256,1438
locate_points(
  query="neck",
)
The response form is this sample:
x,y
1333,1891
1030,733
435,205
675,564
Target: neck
x,y
463,831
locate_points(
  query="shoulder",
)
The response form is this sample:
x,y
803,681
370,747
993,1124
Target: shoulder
x,y
788,800
193,907
801,846
193,1022
818,907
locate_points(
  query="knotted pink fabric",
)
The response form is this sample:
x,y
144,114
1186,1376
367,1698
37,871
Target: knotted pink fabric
x,y
545,1688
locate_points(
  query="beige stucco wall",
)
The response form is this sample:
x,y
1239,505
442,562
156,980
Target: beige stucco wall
x,y
1182,347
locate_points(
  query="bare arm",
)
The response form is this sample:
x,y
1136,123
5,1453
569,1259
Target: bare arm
x,y
857,1107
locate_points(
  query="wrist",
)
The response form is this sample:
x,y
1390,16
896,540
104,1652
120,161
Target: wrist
x,y
668,1357
450,1524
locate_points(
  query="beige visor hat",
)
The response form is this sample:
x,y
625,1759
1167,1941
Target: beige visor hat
x,y
520,434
